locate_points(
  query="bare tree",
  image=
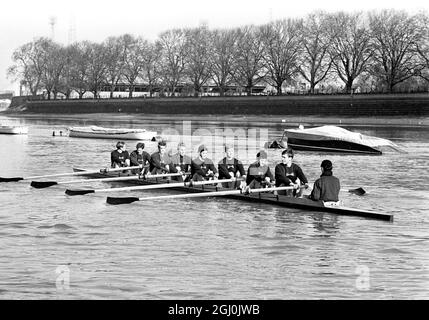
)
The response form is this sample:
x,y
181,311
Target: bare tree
x,y
29,63
150,68
115,54
198,63
80,59
172,48
56,60
134,62
423,47
282,49
249,56
395,34
64,84
350,49
316,40
223,50
96,67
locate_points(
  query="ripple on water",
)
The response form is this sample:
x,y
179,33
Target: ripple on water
x,y
59,226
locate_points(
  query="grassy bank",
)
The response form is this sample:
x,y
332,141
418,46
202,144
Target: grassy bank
x,y
335,105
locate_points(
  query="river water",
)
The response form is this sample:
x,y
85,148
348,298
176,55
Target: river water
x,y
58,247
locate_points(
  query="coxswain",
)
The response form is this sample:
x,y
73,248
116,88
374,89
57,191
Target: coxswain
x,y
327,187
230,168
288,173
120,157
160,161
180,162
259,173
140,158
202,168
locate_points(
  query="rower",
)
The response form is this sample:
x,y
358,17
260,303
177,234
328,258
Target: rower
x,y
230,167
259,173
288,173
120,157
140,158
160,161
180,162
327,187
202,168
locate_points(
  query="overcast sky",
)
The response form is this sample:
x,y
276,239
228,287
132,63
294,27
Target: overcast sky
x,y
23,20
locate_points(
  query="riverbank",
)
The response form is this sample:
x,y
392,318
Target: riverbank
x,y
416,105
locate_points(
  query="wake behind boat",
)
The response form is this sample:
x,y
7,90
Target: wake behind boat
x,y
335,139
111,133
13,130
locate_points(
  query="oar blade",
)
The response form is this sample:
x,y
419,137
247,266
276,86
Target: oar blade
x,y
358,191
42,184
11,179
77,192
122,200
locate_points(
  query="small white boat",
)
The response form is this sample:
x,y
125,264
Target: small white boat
x,y
336,139
13,130
111,133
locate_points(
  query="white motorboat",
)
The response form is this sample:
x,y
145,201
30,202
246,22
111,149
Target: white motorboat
x,y
13,130
335,139
111,133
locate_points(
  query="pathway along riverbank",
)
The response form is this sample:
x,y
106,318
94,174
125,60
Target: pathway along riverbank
x,y
416,105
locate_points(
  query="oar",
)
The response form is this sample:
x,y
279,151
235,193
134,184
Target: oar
x,y
78,173
46,184
123,200
149,187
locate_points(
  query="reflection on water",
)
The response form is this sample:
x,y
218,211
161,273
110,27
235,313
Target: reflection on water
x,y
210,248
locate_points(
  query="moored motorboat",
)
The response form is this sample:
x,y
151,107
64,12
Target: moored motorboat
x,y
13,130
335,139
111,133
268,198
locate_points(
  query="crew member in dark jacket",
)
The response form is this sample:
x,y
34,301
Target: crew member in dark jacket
x,y
230,167
202,168
327,187
140,158
288,173
160,161
180,162
259,173
120,157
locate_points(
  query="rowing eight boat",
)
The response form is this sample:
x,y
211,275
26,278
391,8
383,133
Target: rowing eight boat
x,y
268,198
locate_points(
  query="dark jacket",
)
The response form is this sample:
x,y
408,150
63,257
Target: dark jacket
x,y
118,158
202,167
285,175
183,162
258,173
326,188
158,163
225,169
137,159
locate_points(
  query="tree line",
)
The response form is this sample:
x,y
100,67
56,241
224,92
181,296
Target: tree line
x,y
385,48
